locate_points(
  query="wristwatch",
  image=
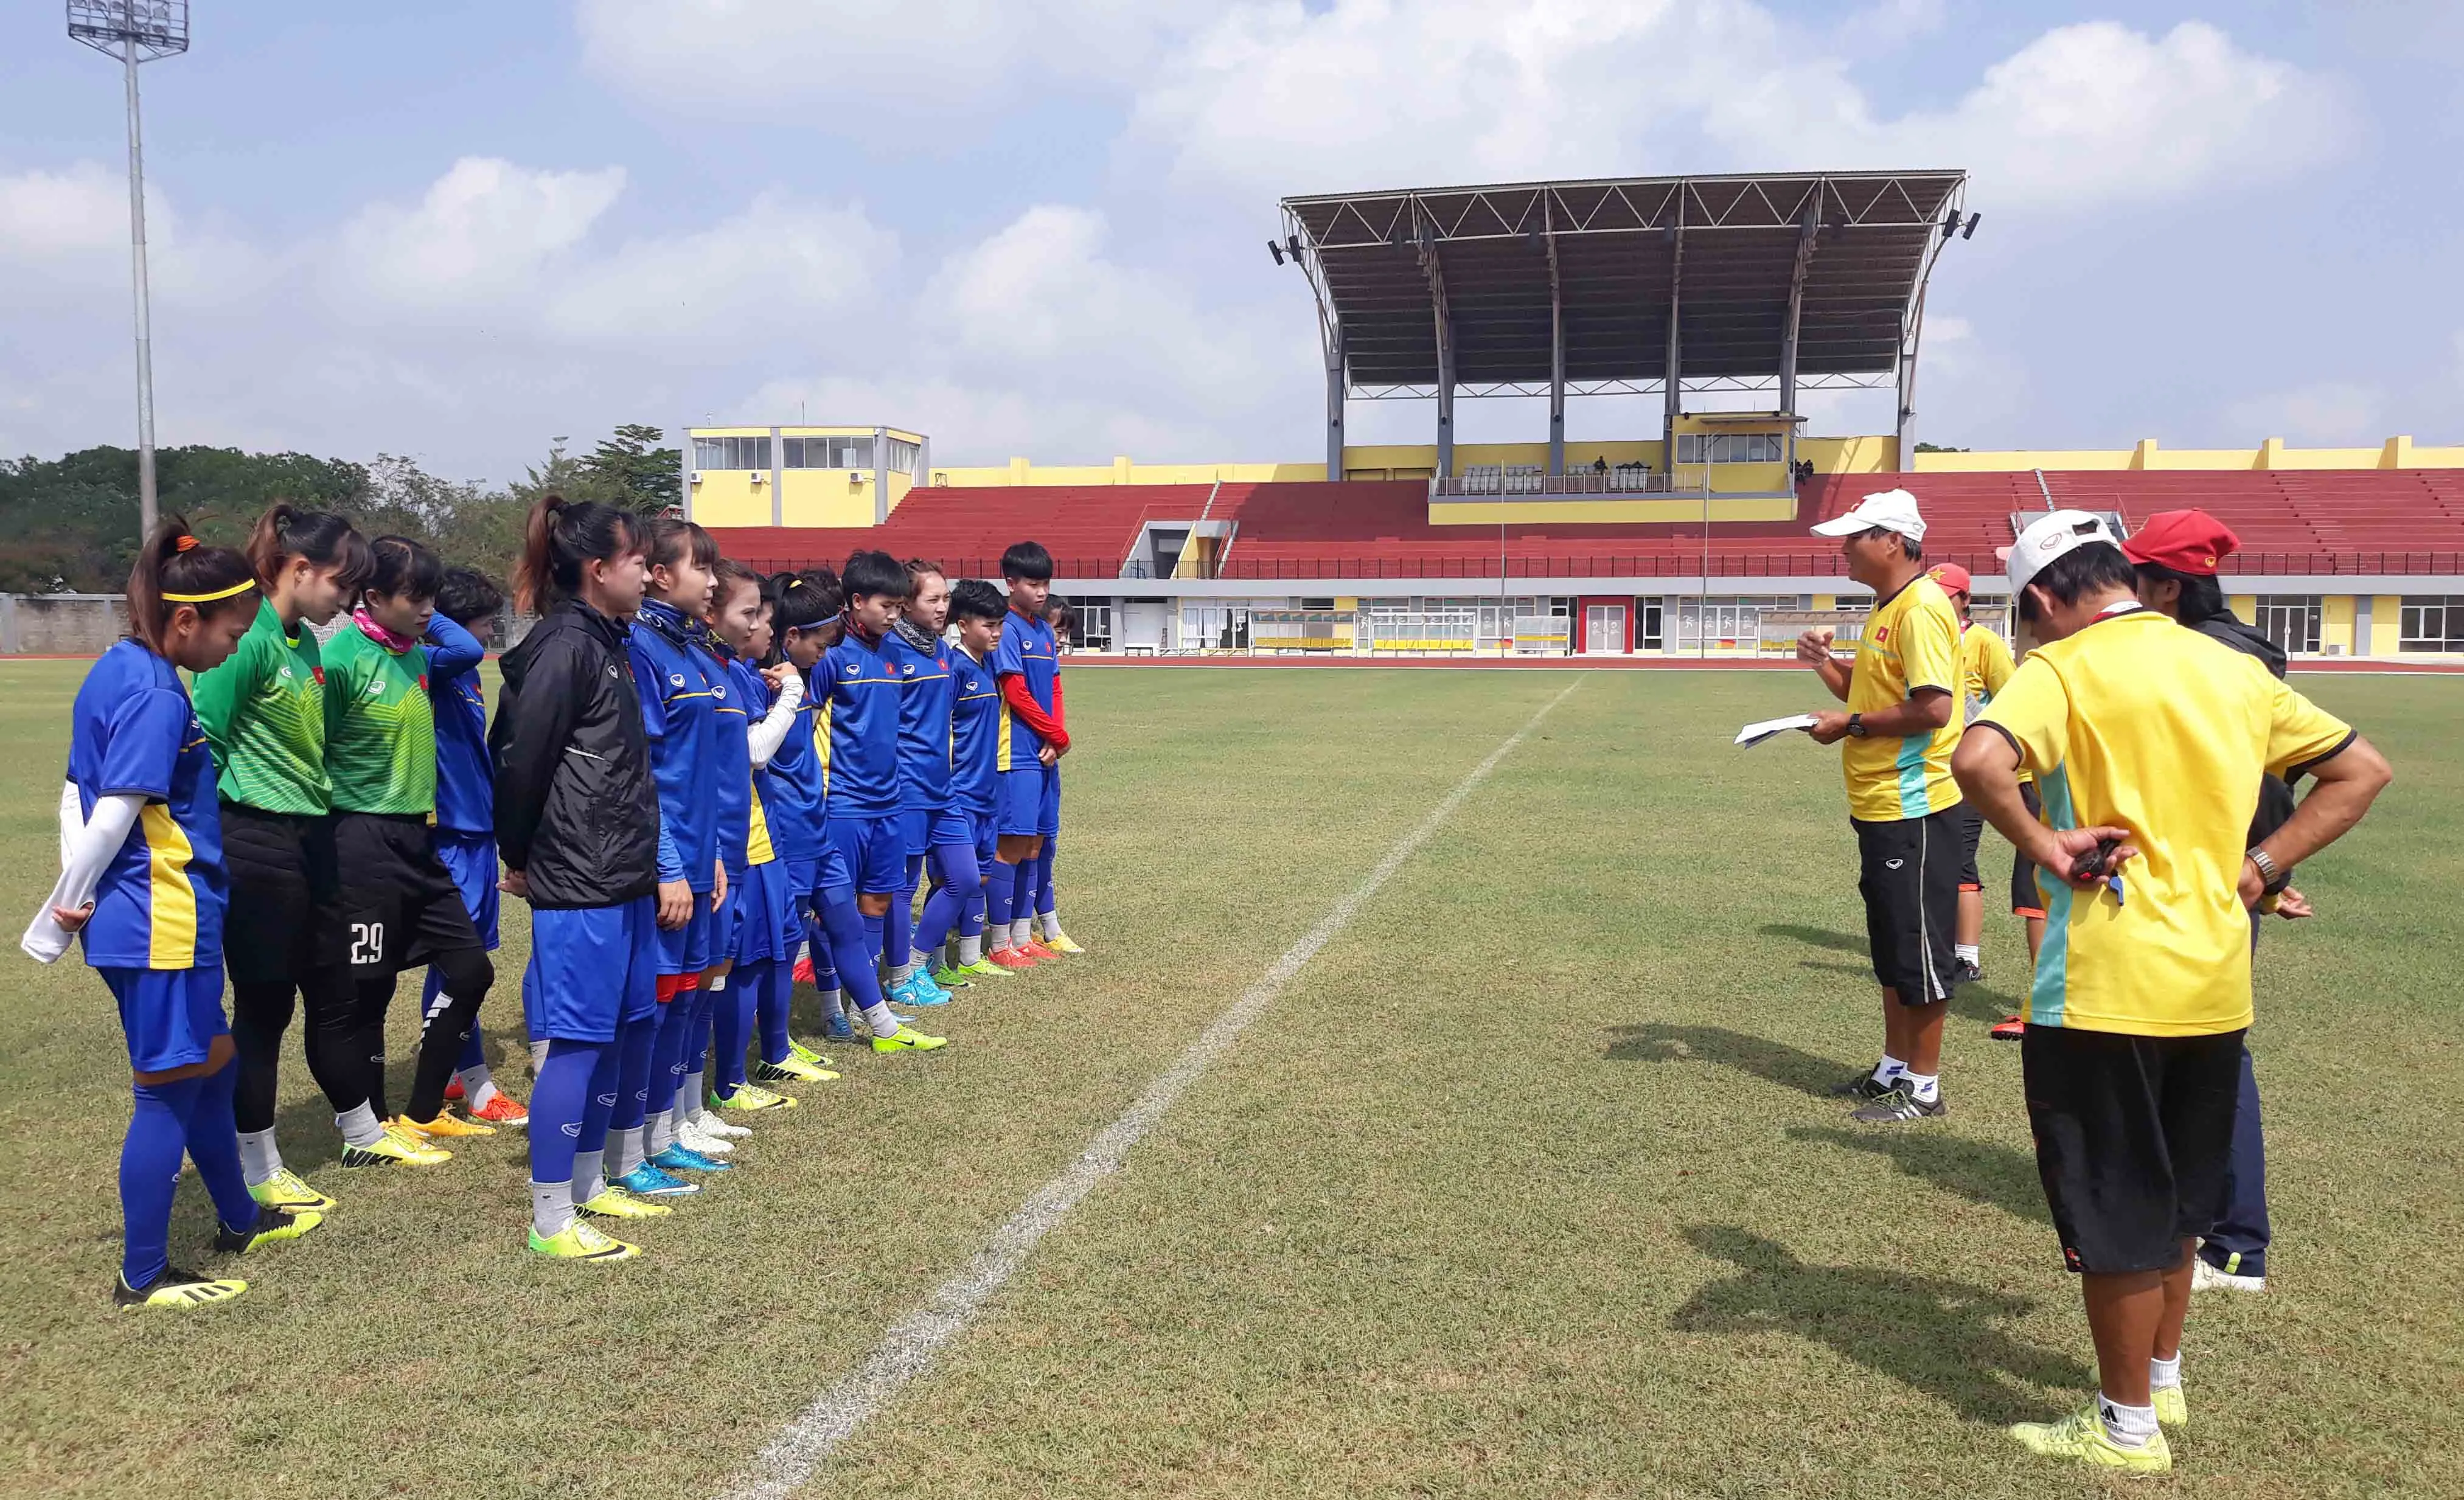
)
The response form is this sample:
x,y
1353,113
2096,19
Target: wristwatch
x,y
1857,726
2273,877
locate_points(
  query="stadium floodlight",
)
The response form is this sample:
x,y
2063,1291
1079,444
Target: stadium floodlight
x,y
134,32
1970,233
1276,250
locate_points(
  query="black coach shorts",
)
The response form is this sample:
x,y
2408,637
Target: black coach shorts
x,y
399,907
1972,834
284,887
1909,877
2133,1134
2026,900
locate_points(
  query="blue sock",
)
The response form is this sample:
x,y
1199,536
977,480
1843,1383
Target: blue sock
x,y
700,1040
606,1084
732,1023
149,1175
213,1145
1000,901
1044,901
826,966
954,866
777,994
872,941
668,1052
634,1040
850,945
561,1102
971,922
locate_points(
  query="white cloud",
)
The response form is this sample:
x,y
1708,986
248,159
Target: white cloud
x,y
2327,414
757,275
870,68
1275,98
67,230
482,233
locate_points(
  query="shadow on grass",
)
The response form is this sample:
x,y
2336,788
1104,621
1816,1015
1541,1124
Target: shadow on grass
x,y
1818,937
1833,966
1773,1062
1977,1170
1941,1337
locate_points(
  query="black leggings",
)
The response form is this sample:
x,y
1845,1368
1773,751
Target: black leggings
x,y
261,1012
467,976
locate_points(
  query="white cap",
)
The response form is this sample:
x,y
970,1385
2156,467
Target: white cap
x,y
2049,537
1889,510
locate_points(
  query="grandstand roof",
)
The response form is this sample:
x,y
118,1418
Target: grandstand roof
x,y
1611,255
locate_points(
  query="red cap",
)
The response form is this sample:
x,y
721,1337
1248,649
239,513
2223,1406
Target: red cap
x,y
1952,578
2186,542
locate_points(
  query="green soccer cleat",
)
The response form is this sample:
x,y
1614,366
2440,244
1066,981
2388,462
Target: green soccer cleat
x,y
805,1054
752,1097
285,1190
271,1224
581,1242
614,1203
2082,1438
791,1068
2172,1408
908,1040
982,969
174,1290
950,976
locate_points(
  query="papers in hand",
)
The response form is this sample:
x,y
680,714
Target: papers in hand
x,y
1756,734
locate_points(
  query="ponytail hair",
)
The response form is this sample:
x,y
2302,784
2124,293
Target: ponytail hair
x,y
401,566
561,535
175,570
324,538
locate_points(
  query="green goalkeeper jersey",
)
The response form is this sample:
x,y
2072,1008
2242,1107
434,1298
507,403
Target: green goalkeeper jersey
x,y
380,726
264,712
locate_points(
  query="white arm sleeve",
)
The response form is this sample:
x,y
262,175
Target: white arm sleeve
x,y
766,737
94,846
72,822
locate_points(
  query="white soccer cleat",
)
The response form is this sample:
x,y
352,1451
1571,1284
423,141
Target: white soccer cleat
x,y
693,1137
2205,1277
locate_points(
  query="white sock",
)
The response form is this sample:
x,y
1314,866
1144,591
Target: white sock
x,y
1889,1070
629,1150
1021,933
834,1004
478,1087
1973,953
1052,923
2131,1427
883,1023
901,973
538,1057
658,1132
2164,1375
970,950
259,1158
358,1125
688,1097
551,1208
1924,1087
589,1169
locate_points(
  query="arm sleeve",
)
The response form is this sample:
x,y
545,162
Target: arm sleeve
x,y
114,816
534,722
1929,650
1060,715
2033,710
451,651
72,820
1022,702
765,738
2301,734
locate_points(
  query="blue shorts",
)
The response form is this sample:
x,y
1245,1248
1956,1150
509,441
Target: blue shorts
x,y
592,967
984,831
767,928
931,829
471,859
874,851
1030,801
691,948
170,1016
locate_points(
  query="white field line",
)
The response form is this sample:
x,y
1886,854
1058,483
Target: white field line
x,y
906,1351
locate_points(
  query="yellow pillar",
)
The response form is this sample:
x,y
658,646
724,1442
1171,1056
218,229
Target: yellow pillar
x,y
1120,468
2144,456
1018,470
2270,455
2245,607
2387,624
2397,453
2336,624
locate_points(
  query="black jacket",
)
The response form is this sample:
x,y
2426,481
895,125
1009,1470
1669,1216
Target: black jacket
x,y
2275,794
576,808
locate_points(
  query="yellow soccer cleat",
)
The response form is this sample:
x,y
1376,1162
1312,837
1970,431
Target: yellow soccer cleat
x,y
273,1226
614,1203
175,1289
2082,1438
287,1191
395,1148
580,1242
1059,942
908,1039
445,1126
791,1069
2172,1408
752,1097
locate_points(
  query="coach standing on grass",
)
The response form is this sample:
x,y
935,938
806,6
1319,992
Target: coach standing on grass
x,y
1901,722
2149,743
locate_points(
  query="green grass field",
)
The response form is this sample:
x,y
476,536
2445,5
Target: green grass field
x,y
1525,1186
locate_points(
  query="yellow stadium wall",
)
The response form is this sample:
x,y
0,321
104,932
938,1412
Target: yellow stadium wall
x,y
1604,511
2396,453
2336,624
2387,624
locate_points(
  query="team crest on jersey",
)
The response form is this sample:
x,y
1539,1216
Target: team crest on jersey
x,y
676,679
1882,634
376,687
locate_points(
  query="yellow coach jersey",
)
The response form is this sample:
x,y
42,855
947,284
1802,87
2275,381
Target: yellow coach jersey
x,y
2135,722
1911,640
1984,665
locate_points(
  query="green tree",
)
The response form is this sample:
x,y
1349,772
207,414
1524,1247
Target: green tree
x,y
73,519
629,469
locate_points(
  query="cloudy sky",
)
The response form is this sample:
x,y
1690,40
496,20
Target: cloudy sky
x,y
462,227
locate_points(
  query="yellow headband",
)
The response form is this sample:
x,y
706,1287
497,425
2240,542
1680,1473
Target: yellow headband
x,y
206,599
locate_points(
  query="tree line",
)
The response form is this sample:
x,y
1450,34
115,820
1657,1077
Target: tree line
x,y
70,523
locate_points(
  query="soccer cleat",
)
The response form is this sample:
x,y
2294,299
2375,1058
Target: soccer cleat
x,y
501,1109
950,976
693,1137
750,1097
453,1091
648,1182
286,1191
1898,1105
395,1148
1059,942
1009,958
2172,1407
271,1224
908,1040
1038,951
838,1028
2208,1276
612,1201
2009,1028
802,1053
791,1068
677,1157
1966,972
445,1126
174,1290
982,969
579,1241
1862,1086
918,992
803,973
2082,1437
718,1129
